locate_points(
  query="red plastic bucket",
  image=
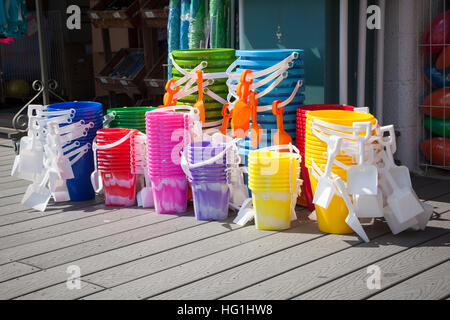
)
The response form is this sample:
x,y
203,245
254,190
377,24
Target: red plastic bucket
x,y
119,188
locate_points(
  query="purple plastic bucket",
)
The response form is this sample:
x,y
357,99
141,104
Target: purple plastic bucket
x,y
210,200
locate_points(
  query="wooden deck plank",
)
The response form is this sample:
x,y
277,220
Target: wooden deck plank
x,y
197,247
61,292
172,278
433,191
15,269
4,180
15,183
105,216
254,271
101,231
62,219
4,193
433,284
140,243
53,209
311,275
394,270
54,276
441,204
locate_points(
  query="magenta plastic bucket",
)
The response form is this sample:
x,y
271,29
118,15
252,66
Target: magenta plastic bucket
x,y
170,194
210,200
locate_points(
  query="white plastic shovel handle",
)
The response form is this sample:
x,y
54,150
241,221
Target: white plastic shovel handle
x,y
194,112
351,219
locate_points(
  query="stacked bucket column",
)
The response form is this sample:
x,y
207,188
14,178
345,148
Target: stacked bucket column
x,y
273,182
114,164
218,61
167,133
307,194
210,191
131,118
80,187
332,219
257,60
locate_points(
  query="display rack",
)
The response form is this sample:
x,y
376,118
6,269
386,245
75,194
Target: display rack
x,y
145,17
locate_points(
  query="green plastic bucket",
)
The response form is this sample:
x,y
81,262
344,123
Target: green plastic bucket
x,y
205,54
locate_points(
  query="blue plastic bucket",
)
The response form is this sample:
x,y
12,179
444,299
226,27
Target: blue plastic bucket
x,y
263,64
270,54
80,187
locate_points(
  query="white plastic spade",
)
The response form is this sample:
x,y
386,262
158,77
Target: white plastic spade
x,y
362,178
402,202
325,189
396,226
341,191
295,195
368,206
145,195
64,165
424,217
58,188
31,155
245,214
351,219
399,173
37,195
238,189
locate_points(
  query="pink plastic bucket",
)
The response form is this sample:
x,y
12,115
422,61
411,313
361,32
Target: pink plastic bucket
x,y
170,194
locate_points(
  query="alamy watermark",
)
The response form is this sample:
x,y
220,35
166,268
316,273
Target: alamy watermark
x,y
73,21
74,279
373,282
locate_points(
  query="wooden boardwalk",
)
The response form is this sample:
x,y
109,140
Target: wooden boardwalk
x,y
134,253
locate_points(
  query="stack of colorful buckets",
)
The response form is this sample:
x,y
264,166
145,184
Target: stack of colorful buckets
x,y
80,187
218,61
257,60
167,134
273,182
307,194
119,183
132,118
210,191
332,219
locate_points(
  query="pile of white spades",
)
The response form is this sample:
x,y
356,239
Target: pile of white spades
x,y
47,154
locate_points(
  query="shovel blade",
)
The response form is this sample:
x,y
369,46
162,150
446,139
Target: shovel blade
x,y
367,206
362,179
31,161
147,197
65,168
356,226
401,176
424,217
324,193
393,223
404,205
36,197
244,217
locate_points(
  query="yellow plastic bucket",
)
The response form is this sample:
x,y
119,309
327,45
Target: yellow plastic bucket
x,y
272,179
272,209
331,220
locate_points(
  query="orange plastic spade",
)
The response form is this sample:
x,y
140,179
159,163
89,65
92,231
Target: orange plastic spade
x,y
226,118
242,111
169,99
256,130
199,104
280,137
